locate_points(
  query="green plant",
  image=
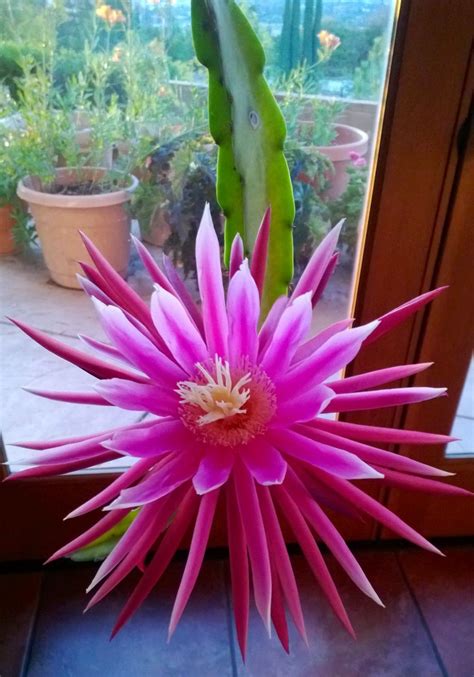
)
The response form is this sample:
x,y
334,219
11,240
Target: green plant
x,y
369,75
20,154
310,174
309,119
350,204
180,178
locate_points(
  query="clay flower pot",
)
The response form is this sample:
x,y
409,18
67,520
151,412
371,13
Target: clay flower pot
x,y
349,140
7,242
58,218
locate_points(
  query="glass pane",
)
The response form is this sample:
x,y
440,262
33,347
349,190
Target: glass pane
x,y
116,85
463,425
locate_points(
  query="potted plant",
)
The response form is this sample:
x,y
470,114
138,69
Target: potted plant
x,y
72,190
16,156
179,178
87,199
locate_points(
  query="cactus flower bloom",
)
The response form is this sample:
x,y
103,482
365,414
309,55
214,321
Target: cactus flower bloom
x,y
236,420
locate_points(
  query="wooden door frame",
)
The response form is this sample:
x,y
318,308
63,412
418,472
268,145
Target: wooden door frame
x,y
401,196
448,338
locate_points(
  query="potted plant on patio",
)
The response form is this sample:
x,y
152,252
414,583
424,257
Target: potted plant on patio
x,y
72,190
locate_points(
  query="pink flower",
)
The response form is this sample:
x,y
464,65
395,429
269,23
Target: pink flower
x,y
357,159
235,411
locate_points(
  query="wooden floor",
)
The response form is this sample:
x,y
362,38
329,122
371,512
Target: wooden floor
x,y
425,630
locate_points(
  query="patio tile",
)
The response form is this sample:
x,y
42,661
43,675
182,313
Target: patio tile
x,y
444,590
70,643
390,642
19,593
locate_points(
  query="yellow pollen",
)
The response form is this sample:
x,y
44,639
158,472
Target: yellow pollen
x,y
217,397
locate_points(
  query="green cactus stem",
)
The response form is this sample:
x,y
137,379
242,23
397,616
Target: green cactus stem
x,y
249,129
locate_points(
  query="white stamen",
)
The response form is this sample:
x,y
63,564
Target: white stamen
x,y
217,398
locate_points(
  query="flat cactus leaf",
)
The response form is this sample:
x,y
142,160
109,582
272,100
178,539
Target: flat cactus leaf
x,y
102,546
249,129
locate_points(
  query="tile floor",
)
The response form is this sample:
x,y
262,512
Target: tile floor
x,y
424,631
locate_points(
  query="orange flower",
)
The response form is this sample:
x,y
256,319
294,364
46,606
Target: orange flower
x,y
328,41
110,15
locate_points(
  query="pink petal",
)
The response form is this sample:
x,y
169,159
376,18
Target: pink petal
x,y
333,460
139,350
243,309
306,349
152,267
177,469
70,452
332,356
62,468
400,480
180,290
163,512
239,568
178,330
236,255
326,276
197,550
371,433
256,541
329,534
104,348
161,559
314,271
278,611
128,542
258,265
92,290
394,317
100,528
209,274
124,480
265,463
312,554
122,292
301,407
376,399
290,330
214,469
376,378
89,363
139,396
73,397
167,435
270,324
373,508
370,454
281,559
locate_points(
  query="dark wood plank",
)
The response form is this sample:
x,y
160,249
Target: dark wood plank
x,y
444,590
391,642
71,644
19,593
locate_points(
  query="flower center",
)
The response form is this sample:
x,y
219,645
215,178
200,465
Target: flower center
x,y
227,408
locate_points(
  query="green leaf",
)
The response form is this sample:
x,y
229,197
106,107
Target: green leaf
x,y
249,129
102,546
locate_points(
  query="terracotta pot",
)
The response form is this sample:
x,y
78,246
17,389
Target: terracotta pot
x,y
58,218
348,140
158,230
7,241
